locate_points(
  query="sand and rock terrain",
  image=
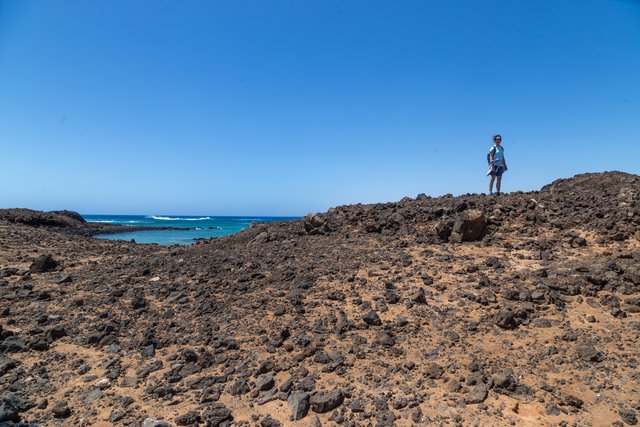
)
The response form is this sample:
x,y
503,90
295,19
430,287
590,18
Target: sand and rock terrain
x,y
521,309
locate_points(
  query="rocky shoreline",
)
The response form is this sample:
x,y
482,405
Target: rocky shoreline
x,y
520,309
69,222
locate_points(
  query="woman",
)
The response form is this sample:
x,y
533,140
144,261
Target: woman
x,y
497,164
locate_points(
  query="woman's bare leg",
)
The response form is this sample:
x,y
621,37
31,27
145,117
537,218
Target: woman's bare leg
x,y
493,178
498,184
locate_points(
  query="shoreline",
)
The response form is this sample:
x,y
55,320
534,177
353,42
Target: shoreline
x,y
117,229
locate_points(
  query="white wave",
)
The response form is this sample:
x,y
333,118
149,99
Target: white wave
x,y
108,221
167,218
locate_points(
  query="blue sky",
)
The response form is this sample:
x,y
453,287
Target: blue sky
x,y
288,107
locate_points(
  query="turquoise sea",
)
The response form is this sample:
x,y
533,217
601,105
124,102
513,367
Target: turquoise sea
x,y
199,227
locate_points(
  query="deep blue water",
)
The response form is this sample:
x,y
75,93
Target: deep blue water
x,y
199,226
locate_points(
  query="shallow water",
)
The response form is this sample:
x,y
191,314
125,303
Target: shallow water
x,y
200,227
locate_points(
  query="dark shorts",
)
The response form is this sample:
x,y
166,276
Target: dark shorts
x,y
499,171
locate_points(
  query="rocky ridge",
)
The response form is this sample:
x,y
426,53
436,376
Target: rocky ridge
x,y
67,222
520,309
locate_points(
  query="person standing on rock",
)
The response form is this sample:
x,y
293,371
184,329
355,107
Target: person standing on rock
x,y
497,164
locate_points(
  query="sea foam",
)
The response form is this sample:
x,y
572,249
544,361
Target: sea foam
x,y
167,218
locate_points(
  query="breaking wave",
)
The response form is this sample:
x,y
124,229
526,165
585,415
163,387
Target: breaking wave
x,y
168,218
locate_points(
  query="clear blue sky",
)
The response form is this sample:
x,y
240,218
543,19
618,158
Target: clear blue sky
x,y
288,107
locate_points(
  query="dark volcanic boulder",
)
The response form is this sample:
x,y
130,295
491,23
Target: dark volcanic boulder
x,y
628,416
313,223
506,383
469,226
43,264
8,272
216,415
61,410
385,338
372,318
506,319
325,402
8,411
443,230
477,395
418,296
239,387
433,371
265,382
269,422
190,418
299,404
588,353
6,365
13,344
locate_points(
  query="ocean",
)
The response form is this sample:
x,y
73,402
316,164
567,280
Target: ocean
x,y
199,227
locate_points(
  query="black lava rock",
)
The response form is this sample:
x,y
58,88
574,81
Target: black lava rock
x,y
325,402
43,264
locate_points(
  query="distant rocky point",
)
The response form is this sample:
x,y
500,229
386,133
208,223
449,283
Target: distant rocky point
x,y
64,219
68,222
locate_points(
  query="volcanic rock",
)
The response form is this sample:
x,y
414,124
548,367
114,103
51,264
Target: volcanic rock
x,y
325,402
239,387
43,264
61,410
588,353
299,404
372,318
270,422
265,382
628,416
506,319
469,226
6,364
216,414
385,338
477,395
190,418
8,411
433,370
